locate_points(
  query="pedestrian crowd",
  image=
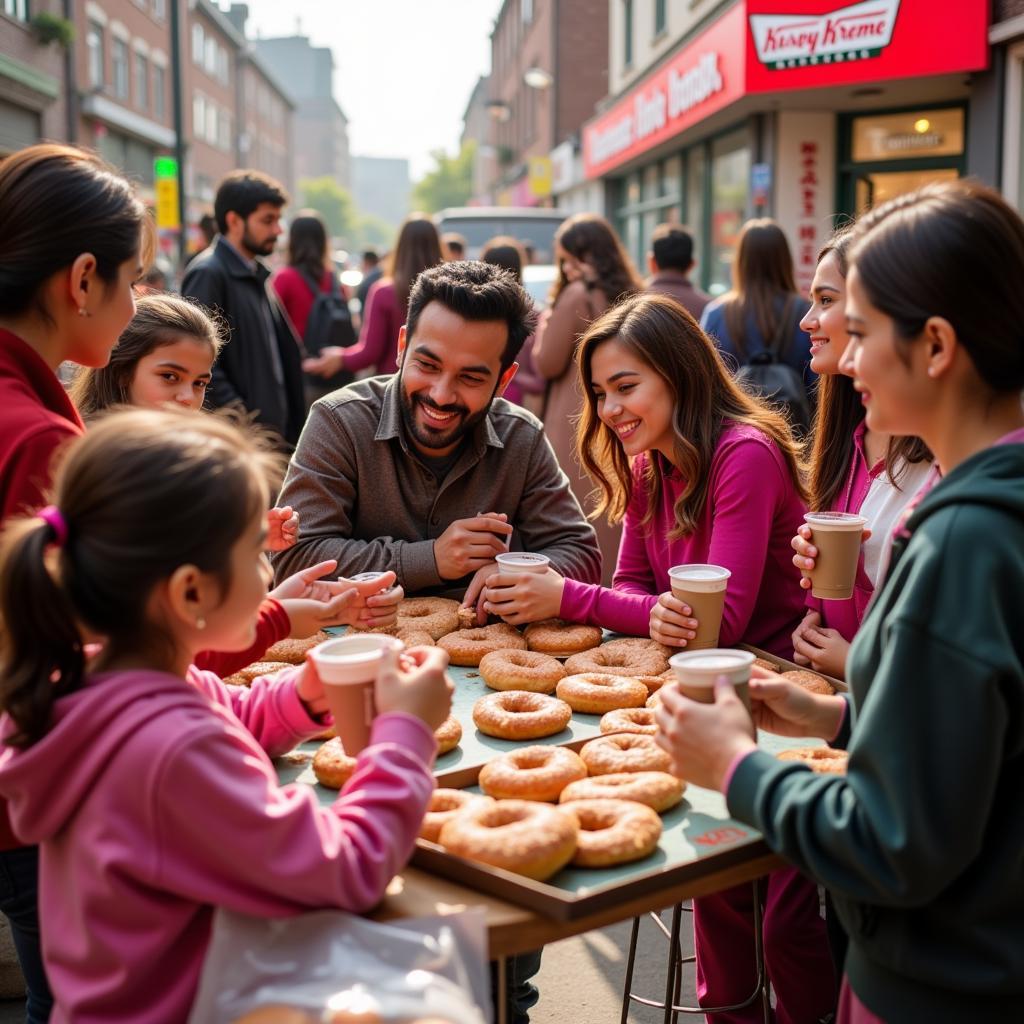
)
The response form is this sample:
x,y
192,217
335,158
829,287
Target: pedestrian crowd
x,y
151,549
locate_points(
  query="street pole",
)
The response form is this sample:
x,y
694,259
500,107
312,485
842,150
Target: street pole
x,y
179,127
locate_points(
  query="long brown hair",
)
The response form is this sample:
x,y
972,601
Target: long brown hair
x,y
762,274
418,247
307,244
705,399
591,239
57,202
159,320
142,493
840,412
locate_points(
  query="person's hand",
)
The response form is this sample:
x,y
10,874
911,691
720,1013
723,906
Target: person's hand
x,y
309,583
672,622
314,604
524,596
330,361
786,709
417,685
310,690
474,596
825,650
703,739
468,544
806,552
282,528
810,619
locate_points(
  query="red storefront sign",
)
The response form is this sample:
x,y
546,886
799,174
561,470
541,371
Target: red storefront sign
x,y
766,46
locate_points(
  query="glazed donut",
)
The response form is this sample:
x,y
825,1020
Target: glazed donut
x,y
293,652
520,715
444,805
624,752
530,839
641,643
531,773
594,693
448,734
332,766
640,720
613,832
561,639
245,676
810,681
415,638
521,670
824,760
619,661
765,663
433,615
468,646
658,790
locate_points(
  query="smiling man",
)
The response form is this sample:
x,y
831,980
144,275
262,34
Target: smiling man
x,y
429,472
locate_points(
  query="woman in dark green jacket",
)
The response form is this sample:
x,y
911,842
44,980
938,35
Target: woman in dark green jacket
x,y
922,842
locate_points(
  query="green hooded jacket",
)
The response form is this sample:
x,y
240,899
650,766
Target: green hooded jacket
x,y
922,842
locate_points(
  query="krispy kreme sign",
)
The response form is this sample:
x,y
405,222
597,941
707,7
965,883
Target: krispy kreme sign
x,y
857,32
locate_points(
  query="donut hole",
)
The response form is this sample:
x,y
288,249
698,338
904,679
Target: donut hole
x,y
527,759
502,814
447,801
520,703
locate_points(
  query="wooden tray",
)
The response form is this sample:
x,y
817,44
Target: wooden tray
x,y
792,666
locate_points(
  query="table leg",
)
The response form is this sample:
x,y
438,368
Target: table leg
x,y
673,963
501,993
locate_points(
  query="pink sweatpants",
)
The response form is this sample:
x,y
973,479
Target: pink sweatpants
x,y
795,948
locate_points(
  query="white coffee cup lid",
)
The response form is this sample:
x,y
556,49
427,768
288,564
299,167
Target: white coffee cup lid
x,y
701,577
363,577
835,520
705,666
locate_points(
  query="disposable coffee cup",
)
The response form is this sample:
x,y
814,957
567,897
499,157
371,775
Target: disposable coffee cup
x,y
366,577
522,561
703,588
837,536
696,672
348,667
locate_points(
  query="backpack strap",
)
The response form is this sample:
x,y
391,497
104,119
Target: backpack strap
x,y
314,286
783,331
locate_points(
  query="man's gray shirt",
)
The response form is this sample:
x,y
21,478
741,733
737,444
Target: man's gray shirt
x,y
366,499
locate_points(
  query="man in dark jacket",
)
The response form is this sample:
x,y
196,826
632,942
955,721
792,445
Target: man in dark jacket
x,y
670,262
260,366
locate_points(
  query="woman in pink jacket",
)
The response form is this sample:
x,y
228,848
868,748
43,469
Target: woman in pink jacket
x,y
698,471
146,782
853,469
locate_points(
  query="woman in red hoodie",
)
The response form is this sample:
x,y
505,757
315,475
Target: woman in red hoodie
x,y
74,242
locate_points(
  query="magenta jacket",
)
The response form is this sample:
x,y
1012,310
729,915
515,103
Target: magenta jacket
x,y
378,338
154,800
753,510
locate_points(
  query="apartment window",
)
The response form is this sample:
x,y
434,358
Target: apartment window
x,y
141,82
198,115
198,44
527,11
224,132
159,92
627,33
119,58
16,9
222,65
210,133
659,17
160,9
94,46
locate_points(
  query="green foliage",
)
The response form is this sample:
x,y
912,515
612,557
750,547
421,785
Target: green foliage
x,y
51,28
333,203
372,233
450,183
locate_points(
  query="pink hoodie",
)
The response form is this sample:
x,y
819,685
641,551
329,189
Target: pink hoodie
x,y
154,800
751,513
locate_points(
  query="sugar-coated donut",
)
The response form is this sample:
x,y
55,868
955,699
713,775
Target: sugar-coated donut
x,y
654,700
468,646
531,773
765,663
641,643
448,734
824,760
624,752
293,652
521,670
658,790
594,693
613,832
528,838
640,720
415,637
444,805
467,617
618,660
520,715
332,766
561,639
245,676
810,681
433,615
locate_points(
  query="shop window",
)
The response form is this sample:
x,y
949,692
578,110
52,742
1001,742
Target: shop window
x,y
908,135
94,46
693,203
730,195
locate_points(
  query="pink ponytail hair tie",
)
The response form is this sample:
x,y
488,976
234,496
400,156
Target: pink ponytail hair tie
x,y
52,515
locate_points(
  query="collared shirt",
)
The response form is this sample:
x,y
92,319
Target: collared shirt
x,y
367,499
676,285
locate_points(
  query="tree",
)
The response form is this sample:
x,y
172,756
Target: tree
x,y
372,233
450,183
332,202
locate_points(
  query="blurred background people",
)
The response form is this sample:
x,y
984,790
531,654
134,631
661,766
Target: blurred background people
x,y
454,245
670,263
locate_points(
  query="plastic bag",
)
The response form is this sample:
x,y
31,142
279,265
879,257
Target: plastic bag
x,y
328,961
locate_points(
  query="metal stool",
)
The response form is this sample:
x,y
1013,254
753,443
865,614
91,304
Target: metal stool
x,y
673,982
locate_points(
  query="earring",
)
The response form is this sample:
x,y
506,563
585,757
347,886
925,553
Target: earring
x,y
82,311
200,623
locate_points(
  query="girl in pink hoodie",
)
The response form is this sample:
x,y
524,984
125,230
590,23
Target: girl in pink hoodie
x,y
147,782
714,479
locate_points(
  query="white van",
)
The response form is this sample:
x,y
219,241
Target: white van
x,y
479,224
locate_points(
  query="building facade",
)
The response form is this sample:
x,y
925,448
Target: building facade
x,y
381,187
749,108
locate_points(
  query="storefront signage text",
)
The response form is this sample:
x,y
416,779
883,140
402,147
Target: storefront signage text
x,y
807,227
856,32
